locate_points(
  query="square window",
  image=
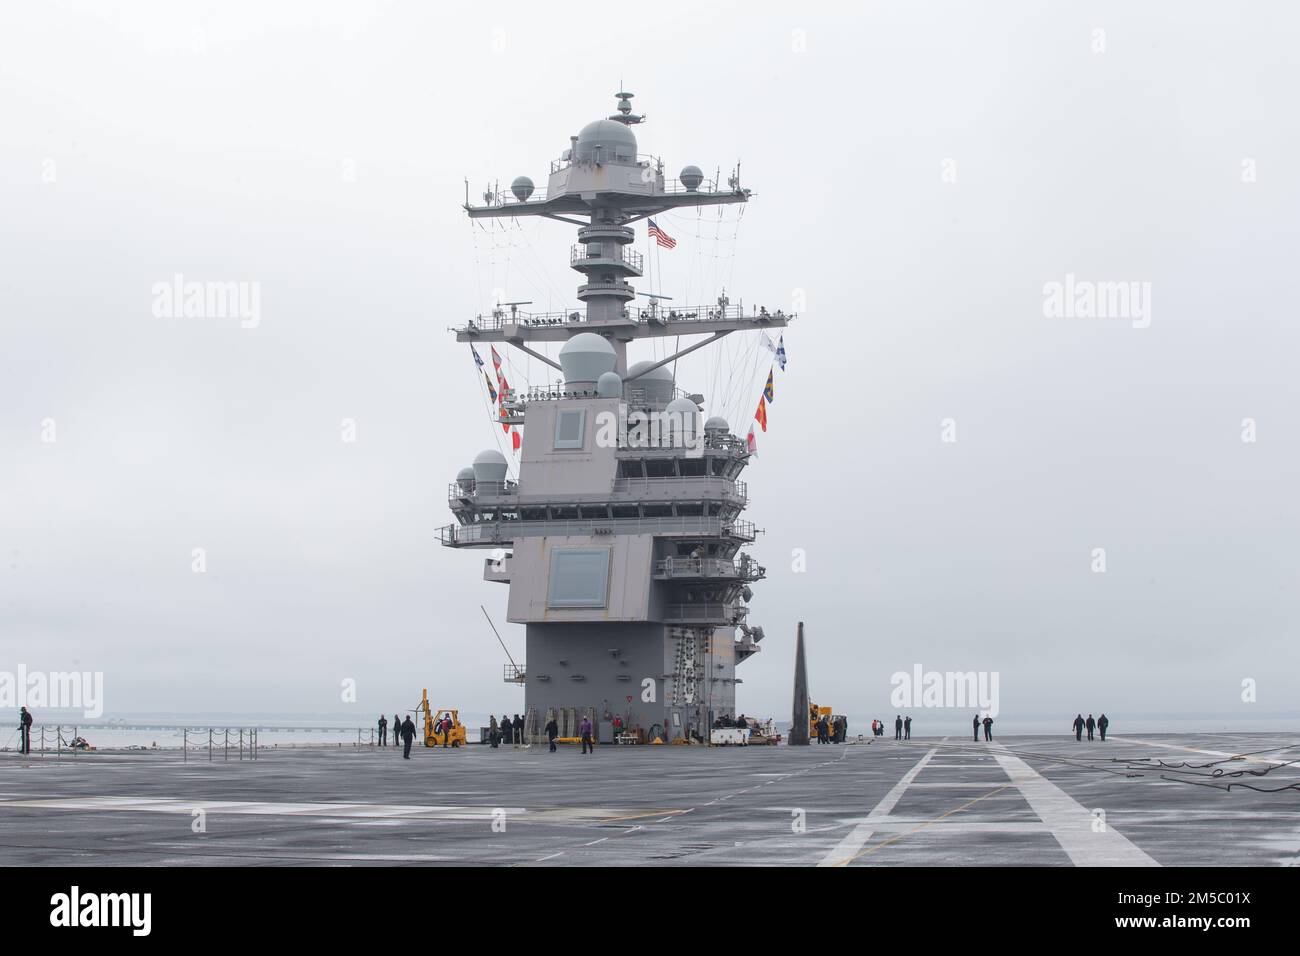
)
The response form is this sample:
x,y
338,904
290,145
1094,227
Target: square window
x,y
570,425
579,577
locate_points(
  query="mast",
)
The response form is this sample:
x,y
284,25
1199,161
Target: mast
x,y
602,185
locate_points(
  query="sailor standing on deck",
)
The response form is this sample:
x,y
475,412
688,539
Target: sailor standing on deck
x,y
1078,727
907,728
383,731
552,731
898,727
493,734
1102,723
988,728
397,729
976,724
584,731
1091,725
24,731
408,734
519,729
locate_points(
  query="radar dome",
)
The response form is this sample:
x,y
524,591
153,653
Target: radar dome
x,y
489,468
656,385
465,476
609,385
717,424
682,405
691,177
606,141
585,358
522,187
683,417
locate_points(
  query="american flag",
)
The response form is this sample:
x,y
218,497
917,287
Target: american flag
x,y
660,236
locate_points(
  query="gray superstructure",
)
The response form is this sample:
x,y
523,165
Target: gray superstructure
x,y
620,540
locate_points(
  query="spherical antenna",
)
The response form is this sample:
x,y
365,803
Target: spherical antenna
x,y
691,177
522,187
609,385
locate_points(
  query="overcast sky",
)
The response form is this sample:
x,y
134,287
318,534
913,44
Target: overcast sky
x,y
921,172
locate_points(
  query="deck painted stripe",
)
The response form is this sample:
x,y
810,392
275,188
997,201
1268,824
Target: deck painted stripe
x,y
848,847
334,810
1209,753
1070,822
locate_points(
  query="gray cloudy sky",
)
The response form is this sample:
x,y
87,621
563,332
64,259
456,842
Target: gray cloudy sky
x,y
922,170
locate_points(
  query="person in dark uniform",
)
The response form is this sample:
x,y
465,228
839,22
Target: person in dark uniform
x,y
506,731
408,734
397,729
1091,725
1102,723
24,731
552,731
493,738
383,731
584,731
519,729
898,727
976,724
988,728
907,728
1078,727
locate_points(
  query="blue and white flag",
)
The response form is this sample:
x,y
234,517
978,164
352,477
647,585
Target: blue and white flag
x,y
780,351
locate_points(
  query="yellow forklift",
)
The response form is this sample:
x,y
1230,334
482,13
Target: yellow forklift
x,y
815,714
433,737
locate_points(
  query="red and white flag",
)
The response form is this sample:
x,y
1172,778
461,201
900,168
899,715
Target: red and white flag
x,y
659,236
751,443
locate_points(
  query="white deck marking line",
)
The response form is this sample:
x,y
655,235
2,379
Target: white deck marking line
x,y
972,785
848,847
335,810
1070,822
949,827
1210,753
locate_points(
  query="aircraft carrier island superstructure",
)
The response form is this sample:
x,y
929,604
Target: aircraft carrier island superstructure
x,y
621,539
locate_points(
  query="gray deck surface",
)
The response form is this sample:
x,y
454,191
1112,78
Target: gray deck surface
x,y
936,801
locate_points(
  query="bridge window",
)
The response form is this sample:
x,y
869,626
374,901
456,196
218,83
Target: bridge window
x,y
570,425
579,577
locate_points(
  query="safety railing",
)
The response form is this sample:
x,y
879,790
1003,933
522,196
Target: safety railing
x,y
707,313
496,532
705,613
582,253
744,570
496,489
